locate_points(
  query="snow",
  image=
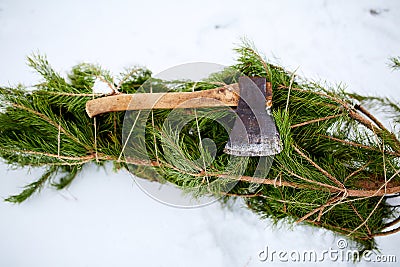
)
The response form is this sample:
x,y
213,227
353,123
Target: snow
x,y
104,219
102,87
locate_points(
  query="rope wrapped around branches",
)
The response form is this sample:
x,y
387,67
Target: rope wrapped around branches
x,y
338,165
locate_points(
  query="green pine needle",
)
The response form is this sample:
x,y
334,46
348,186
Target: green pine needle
x,y
336,154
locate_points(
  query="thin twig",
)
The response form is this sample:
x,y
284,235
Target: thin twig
x,y
95,138
200,143
288,202
255,53
361,218
324,172
329,226
393,196
392,223
280,192
88,157
69,94
315,120
125,78
365,194
241,195
356,171
176,146
153,125
380,132
390,232
330,188
381,198
288,96
59,137
258,180
319,209
369,115
112,87
51,122
350,143
352,113
129,136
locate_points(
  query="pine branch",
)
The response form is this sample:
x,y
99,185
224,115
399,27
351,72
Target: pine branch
x,y
34,187
395,63
329,173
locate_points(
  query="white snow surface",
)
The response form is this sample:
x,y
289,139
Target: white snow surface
x,y
103,218
102,87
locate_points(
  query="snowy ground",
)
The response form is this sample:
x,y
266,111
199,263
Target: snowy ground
x,y
103,219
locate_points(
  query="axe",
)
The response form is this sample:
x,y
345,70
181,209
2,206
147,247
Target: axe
x,y
254,132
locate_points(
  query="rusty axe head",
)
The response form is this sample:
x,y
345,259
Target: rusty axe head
x,y
254,132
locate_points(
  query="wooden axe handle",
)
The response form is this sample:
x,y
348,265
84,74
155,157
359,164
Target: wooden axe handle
x,y
227,95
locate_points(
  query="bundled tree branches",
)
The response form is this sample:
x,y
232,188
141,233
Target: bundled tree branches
x,y
338,165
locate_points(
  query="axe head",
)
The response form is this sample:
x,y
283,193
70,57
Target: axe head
x,y
254,132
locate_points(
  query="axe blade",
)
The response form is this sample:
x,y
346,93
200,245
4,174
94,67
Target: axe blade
x,y
254,132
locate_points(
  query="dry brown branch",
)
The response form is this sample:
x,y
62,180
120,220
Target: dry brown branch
x,y
369,115
88,157
361,218
333,179
328,187
359,145
68,94
315,120
241,195
390,232
280,192
353,114
357,171
339,229
319,209
392,223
